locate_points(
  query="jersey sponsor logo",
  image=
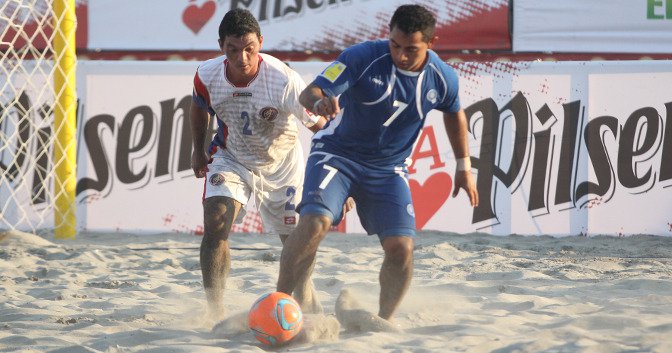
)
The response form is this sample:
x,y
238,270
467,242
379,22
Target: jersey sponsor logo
x,y
268,113
377,81
242,94
290,220
217,179
334,70
431,95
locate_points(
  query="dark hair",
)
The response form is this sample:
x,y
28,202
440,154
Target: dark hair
x,y
238,22
414,18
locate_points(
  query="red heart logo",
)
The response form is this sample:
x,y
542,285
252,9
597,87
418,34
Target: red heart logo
x,y
195,17
429,197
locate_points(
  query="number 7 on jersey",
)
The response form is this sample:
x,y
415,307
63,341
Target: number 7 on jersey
x,y
331,171
400,108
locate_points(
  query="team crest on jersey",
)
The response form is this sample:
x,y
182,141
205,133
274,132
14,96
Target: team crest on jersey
x,y
410,210
334,70
217,179
290,220
268,113
431,95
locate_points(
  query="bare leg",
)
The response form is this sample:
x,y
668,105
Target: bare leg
x,y
304,293
299,250
395,274
219,213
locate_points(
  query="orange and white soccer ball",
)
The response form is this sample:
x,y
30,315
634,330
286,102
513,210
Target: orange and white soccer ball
x,y
275,318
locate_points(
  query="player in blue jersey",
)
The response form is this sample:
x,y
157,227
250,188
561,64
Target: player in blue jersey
x,y
385,90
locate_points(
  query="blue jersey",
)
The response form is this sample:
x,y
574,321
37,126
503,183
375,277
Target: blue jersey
x,y
383,108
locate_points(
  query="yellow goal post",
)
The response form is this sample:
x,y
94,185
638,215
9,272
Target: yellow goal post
x,y
38,108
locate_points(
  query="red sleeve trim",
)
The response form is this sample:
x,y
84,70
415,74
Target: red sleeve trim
x,y
201,90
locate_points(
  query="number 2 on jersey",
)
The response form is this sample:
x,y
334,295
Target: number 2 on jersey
x,y
400,108
246,128
290,206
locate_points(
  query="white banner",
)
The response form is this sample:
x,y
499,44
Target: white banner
x,y
310,25
558,148
134,147
596,26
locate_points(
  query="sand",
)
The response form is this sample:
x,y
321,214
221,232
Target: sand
x,y
470,293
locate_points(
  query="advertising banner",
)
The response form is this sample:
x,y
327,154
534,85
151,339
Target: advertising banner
x,y
300,25
557,148
134,150
596,26
571,148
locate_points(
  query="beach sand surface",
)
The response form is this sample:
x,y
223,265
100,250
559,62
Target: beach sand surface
x,y
470,293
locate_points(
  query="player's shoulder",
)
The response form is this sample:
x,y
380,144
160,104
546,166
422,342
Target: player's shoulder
x,y
215,63
211,67
275,66
369,50
440,66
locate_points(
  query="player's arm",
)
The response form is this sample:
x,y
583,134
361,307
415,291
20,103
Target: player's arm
x,y
200,120
314,122
456,129
314,99
321,121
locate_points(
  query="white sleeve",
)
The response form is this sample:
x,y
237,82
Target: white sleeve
x,y
295,85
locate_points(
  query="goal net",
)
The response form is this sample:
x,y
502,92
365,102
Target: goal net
x,y
37,116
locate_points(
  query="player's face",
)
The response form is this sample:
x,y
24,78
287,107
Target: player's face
x,y
242,53
409,51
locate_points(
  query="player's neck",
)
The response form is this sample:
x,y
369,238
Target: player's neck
x,y
415,71
239,78
411,73
424,63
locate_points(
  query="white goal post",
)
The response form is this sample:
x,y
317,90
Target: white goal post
x,y
38,107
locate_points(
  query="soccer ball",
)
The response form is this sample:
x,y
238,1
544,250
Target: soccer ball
x,y
275,318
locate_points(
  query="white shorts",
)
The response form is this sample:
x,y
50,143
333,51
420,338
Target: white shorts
x,y
276,192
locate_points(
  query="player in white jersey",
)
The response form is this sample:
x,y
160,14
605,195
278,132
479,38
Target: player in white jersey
x,y
256,151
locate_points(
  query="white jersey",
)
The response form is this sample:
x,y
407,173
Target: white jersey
x,y
258,127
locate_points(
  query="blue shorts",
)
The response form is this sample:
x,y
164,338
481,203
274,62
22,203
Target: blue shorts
x,y
383,197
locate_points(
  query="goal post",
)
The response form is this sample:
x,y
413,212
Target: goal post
x,y
65,118
38,108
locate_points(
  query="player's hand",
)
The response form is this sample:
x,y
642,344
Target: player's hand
x,y
199,163
465,180
327,107
348,205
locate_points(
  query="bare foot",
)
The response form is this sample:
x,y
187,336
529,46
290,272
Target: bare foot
x,y
306,296
215,306
354,318
214,315
232,326
318,328
311,305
